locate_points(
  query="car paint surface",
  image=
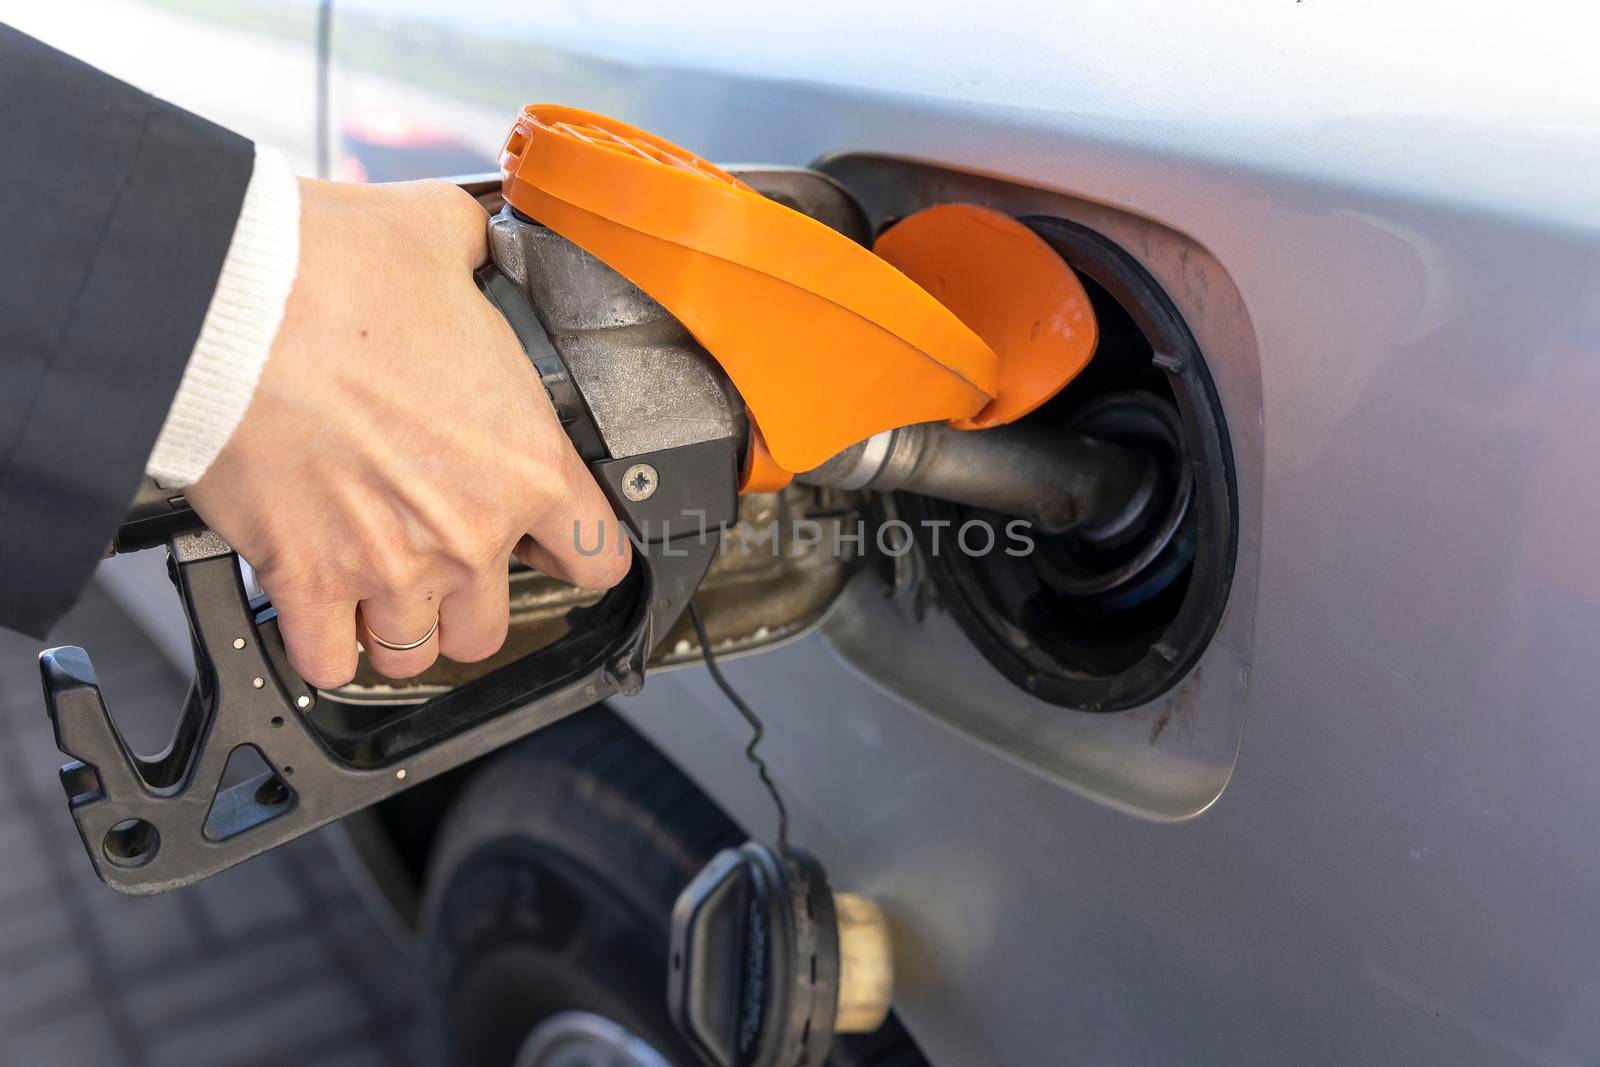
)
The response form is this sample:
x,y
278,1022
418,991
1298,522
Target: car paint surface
x,y
1398,869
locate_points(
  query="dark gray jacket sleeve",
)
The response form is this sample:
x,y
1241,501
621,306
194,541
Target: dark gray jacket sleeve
x,y
116,211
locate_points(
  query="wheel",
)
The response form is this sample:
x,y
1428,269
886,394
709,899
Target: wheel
x,y
548,902
550,886
579,1039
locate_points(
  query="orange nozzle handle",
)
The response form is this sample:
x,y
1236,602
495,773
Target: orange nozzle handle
x,y
827,343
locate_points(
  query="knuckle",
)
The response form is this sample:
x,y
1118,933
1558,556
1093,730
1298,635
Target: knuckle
x,y
478,646
408,665
289,583
452,196
394,573
601,571
306,585
479,537
324,671
484,548
548,476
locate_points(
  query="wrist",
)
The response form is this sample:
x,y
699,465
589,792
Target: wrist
x,y
244,316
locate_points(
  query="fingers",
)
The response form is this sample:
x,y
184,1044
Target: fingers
x,y
575,537
473,620
403,619
581,540
320,638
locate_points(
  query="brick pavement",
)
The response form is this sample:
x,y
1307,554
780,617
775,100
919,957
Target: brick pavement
x,y
276,961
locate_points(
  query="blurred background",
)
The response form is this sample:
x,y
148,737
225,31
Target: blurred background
x,y
409,94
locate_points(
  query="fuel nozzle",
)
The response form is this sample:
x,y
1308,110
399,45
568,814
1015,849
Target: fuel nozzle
x,y
1061,481
768,963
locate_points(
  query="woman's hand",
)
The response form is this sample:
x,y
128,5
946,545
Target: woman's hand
x,y
399,446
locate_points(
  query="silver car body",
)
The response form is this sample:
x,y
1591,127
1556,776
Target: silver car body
x,y
1359,831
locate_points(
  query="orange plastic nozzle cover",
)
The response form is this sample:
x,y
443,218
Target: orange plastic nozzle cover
x,y
1004,281
827,343
761,473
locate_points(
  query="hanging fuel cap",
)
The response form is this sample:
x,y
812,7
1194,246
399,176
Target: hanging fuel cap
x,y
768,963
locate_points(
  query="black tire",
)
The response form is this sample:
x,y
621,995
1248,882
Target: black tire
x,y
550,889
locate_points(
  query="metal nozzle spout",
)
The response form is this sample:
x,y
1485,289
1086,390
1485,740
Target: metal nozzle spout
x,y
1060,480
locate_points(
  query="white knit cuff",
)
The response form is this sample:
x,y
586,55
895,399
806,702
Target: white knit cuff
x,y
239,326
